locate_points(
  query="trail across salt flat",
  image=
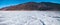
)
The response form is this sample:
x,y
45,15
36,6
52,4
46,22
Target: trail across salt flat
x,y
29,18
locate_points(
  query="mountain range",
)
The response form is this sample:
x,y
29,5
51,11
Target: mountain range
x,y
42,6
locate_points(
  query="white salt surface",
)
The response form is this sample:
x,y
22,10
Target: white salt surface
x,y
29,18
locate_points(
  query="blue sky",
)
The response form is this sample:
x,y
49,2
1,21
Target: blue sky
x,y
6,3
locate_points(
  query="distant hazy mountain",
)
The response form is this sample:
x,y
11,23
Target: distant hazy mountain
x,y
44,6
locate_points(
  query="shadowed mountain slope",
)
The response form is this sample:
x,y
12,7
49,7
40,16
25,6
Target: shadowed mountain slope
x,y
43,6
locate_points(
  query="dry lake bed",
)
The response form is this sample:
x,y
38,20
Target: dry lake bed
x,y
29,18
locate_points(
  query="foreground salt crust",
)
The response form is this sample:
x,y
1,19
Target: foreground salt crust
x,y
29,18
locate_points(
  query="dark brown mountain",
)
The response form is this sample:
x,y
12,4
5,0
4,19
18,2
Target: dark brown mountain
x,y
44,6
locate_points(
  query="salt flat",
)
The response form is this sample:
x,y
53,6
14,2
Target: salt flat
x,y
29,18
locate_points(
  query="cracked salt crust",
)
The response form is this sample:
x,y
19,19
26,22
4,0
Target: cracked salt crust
x,y
29,18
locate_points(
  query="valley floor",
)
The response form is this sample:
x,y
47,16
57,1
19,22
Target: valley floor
x,y
29,18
